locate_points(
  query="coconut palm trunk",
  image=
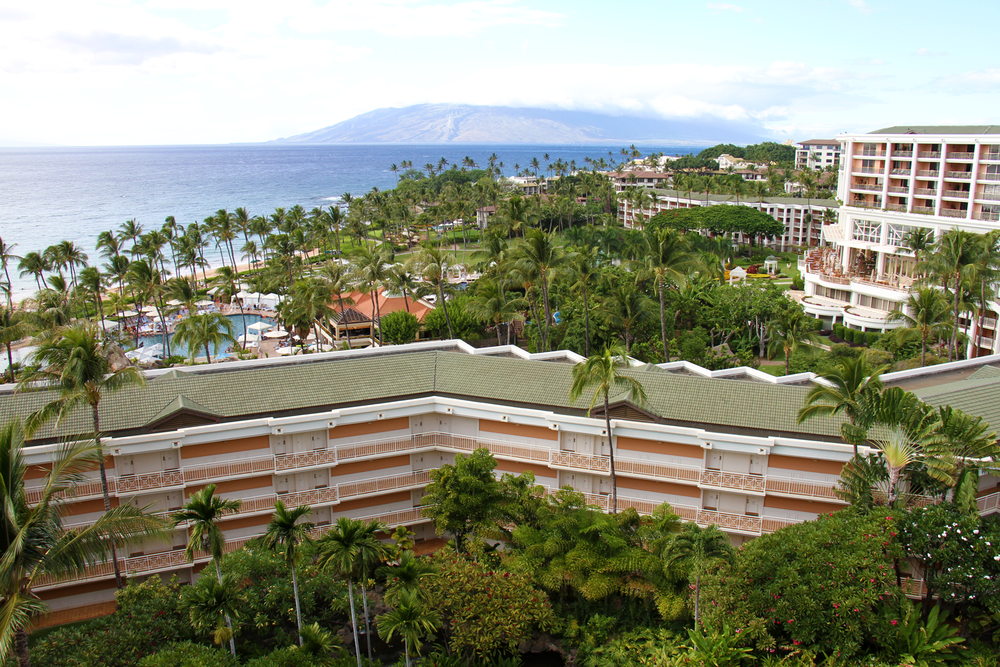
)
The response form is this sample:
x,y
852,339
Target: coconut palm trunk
x,y
298,606
104,490
229,622
354,620
663,324
611,450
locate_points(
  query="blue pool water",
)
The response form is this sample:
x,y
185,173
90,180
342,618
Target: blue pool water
x,y
176,349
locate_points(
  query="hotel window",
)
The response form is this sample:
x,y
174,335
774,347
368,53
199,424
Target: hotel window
x,y
990,212
867,231
869,149
897,235
991,153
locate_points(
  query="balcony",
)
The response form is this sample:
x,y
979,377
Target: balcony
x,y
148,481
901,171
866,188
735,522
896,154
957,194
988,504
954,213
641,468
925,210
801,487
991,216
960,175
960,156
899,208
928,173
989,155
899,189
578,461
926,192
870,154
929,155
990,176
867,170
732,480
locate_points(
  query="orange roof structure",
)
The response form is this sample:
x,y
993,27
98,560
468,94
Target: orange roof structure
x,y
386,304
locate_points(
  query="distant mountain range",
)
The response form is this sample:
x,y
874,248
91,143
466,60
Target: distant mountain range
x,y
459,123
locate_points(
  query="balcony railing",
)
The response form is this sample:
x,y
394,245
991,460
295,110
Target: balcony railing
x,y
724,520
867,170
991,216
900,208
953,213
870,154
866,188
991,196
732,480
989,155
929,155
228,469
928,192
957,194
928,173
959,175
902,154
149,480
960,156
926,210
899,189
901,172
801,487
990,176
988,504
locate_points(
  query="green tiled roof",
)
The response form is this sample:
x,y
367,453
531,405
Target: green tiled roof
x,y
977,395
241,392
985,372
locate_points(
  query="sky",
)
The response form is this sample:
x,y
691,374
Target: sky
x,y
144,72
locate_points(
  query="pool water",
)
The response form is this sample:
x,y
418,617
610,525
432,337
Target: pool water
x,y
177,349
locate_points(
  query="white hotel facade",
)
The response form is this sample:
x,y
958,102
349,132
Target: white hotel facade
x,y
356,434
893,181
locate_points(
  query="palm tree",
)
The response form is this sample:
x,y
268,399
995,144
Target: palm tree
x,y
669,260
699,549
410,619
433,264
13,327
227,280
212,604
75,362
33,543
370,558
583,268
602,372
407,574
339,551
842,392
626,308
789,331
204,330
6,255
202,512
491,306
541,256
952,264
35,265
370,269
286,533
929,314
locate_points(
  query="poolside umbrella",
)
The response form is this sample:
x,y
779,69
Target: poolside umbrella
x,y
174,302
149,310
247,338
129,313
259,326
277,333
203,303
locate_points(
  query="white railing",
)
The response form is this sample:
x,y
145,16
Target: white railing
x,y
732,480
149,480
801,487
234,468
725,520
989,504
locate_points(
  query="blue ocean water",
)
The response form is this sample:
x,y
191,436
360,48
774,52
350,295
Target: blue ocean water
x,y
54,194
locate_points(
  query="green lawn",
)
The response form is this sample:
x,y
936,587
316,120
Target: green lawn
x,y
776,371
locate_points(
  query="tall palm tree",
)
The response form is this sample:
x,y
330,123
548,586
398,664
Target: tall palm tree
x,y
433,262
490,305
411,619
626,308
370,269
227,280
371,555
603,373
842,392
75,363
697,549
286,533
952,264
33,264
33,543
6,257
927,313
583,268
669,260
204,330
202,512
13,327
339,551
542,256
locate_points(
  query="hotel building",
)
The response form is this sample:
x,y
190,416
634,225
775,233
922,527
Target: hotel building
x,y
817,154
356,434
894,181
800,229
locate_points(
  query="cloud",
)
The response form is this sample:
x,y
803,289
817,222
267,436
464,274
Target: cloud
x,y
724,7
128,49
868,61
924,51
860,5
977,81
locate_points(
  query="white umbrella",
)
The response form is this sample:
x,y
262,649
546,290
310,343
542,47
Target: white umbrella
x,y
149,310
247,338
130,313
259,326
280,333
174,302
203,303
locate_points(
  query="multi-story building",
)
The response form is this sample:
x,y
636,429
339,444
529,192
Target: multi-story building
x,y
817,154
638,179
356,434
894,181
803,218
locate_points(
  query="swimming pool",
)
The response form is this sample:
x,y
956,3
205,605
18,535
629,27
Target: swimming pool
x,y
236,319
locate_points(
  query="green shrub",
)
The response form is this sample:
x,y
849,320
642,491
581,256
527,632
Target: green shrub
x,y
839,331
875,358
843,350
716,649
798,284
188,654
399,327
871,338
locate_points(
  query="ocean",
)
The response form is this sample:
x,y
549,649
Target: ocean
x,y
53,194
